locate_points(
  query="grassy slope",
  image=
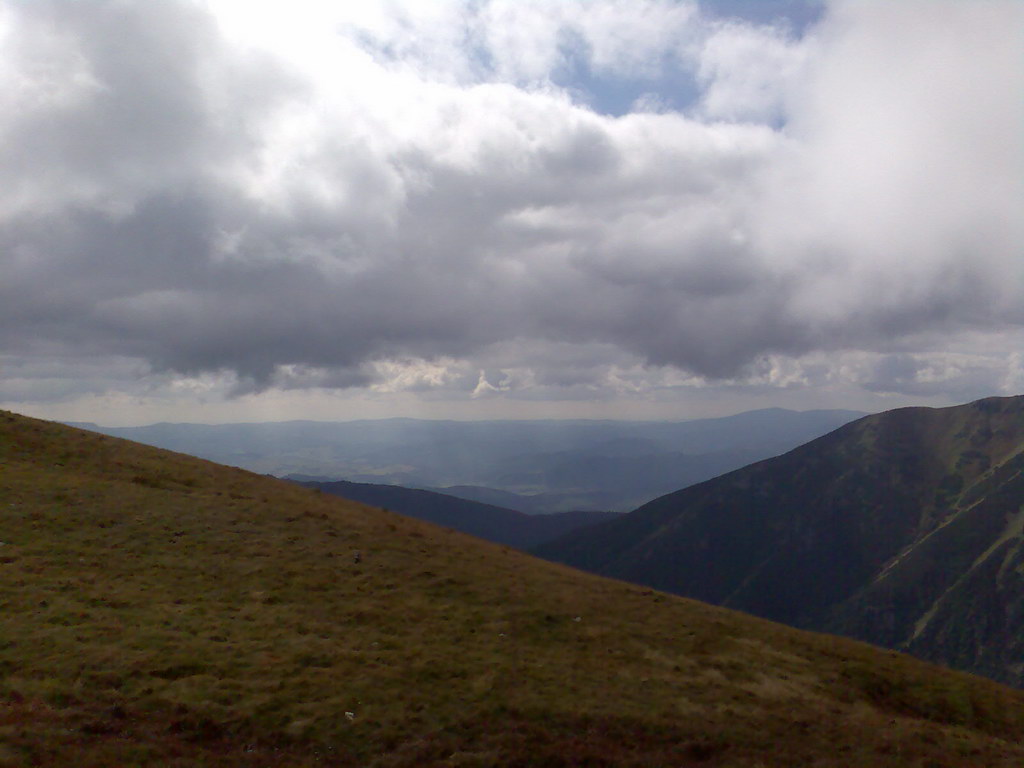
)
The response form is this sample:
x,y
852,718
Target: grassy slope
x,y
158,609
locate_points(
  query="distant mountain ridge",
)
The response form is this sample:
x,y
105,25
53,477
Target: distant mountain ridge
x,y
517,501
904,529
503,526
548,466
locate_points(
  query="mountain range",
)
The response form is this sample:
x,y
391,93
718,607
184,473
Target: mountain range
x,y
528,466
504,526
163,610
904,529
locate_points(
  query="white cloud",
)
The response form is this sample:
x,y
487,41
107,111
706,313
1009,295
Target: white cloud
x,y
747,73
899,195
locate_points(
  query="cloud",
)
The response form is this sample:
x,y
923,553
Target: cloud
x,y
897,204
747,73
404,196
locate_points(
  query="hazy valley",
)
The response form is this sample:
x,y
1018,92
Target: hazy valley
x,y
528,466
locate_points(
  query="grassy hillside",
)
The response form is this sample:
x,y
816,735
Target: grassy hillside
x,y
162,610
905,529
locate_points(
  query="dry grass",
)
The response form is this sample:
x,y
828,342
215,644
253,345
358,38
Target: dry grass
x,y
161,610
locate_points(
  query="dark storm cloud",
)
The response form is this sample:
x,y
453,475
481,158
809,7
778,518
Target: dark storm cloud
x,y
178,198
956,376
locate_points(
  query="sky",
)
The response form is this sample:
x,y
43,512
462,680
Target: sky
x,y
249,210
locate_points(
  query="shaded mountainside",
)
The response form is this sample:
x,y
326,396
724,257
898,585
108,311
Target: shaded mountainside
x,y
504,526
163,610
903,528
531,505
